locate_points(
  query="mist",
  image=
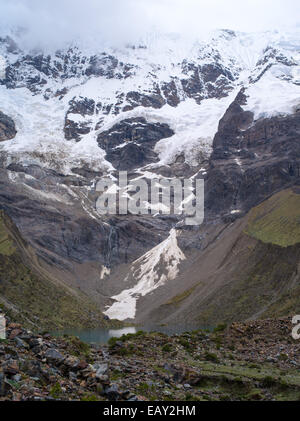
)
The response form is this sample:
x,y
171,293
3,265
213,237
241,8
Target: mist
x,y
114,22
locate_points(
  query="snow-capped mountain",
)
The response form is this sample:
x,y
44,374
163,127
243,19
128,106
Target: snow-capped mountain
x,y
61,102
167,106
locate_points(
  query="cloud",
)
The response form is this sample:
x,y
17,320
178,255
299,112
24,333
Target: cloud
x,y
246,15
98,22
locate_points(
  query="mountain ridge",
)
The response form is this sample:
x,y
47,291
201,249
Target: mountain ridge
x,y
226,111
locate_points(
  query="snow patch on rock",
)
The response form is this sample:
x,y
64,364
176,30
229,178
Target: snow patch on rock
x,y
40,137
152,270
274,94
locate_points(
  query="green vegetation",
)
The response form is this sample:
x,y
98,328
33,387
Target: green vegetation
x,y
255,395
77,347
184,343
265,284
125,349
7,247
180,297
209,356
277,220
268,381
220,328
116,375
166,348
244,382
33,300
125,338
89,398
264,375
147,389
13,384
56,391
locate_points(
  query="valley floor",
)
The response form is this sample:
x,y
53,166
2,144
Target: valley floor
x,y
255,360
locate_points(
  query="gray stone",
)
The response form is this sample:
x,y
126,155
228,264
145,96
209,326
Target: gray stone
x,y
54,356
100,369
112,392
20,343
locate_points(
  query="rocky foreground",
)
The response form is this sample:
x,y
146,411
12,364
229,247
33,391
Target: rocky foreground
x,y
256,360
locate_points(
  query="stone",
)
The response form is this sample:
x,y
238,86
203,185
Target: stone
x,y
20,343
35,342
103,378
11,367
72,363
14,333
141,398
127,395
14,326
36,350
167,393
134,398
82,365
112,392
72,376
100,369
54,356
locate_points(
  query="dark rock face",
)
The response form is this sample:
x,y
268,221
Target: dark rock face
x,y
73,129
102,66
217,80
206,81
33,70
7,127
129,144
270,58
65,235
171,94
70,244
194,85
83,107
136,99
231,126
131,156
250,161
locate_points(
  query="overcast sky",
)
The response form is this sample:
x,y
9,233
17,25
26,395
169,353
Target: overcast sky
x,y
118,21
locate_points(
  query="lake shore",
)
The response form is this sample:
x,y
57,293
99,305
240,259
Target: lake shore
x,y
255,360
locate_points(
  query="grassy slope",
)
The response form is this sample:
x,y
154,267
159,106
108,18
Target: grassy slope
x,y
32,299
260,275
268,284
262,287
277,220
